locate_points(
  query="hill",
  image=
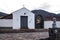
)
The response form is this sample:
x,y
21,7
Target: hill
x,y
43,13
2,14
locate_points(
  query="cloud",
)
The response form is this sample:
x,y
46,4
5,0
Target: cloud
x,y
45,6
2,10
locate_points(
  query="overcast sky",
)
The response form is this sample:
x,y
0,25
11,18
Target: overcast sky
x,y
8,6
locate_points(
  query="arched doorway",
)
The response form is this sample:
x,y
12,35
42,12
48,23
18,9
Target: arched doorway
x,y
39,22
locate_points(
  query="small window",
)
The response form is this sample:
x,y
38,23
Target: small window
x,y
24,13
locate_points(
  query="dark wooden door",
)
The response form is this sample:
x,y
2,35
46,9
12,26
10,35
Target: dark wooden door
x,y
24,22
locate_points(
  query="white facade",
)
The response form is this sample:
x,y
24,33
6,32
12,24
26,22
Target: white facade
x,y
17,18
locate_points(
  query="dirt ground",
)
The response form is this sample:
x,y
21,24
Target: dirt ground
x,y
24,36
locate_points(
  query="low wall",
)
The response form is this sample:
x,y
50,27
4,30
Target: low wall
x,y
48,24
6,23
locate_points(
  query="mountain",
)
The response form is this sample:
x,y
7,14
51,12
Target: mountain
x,y
43,13
2,14
47,15
58,14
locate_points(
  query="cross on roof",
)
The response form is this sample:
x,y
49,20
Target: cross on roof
x,y
23,6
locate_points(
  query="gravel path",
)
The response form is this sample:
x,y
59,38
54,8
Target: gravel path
x,y
24,36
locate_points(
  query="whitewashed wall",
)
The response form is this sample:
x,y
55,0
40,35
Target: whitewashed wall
x,y
17,19
6,23
9,23
58,24
48,24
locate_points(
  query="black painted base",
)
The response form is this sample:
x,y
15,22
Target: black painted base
x,y
6,28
